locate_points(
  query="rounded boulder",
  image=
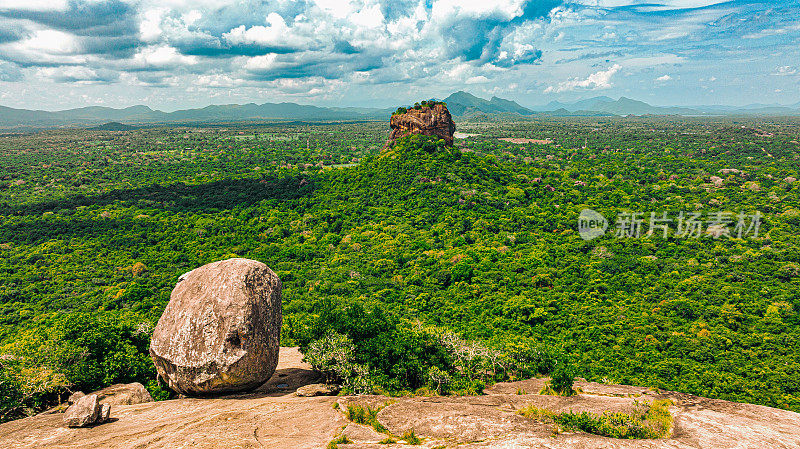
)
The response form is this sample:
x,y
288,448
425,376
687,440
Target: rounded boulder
x,y
220,331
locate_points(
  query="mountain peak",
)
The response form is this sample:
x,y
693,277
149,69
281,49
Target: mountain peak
x,y
461,103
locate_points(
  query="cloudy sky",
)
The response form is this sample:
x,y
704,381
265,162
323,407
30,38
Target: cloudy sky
x,y
173,54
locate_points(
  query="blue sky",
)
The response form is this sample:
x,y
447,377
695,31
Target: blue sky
x,y
172,54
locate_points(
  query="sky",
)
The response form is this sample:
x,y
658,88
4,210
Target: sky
x,y
176,54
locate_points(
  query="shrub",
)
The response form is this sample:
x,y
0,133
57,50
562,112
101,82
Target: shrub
x,y
366,347
10,395
526,358
27,389
79,351
385,350
562,379
332,356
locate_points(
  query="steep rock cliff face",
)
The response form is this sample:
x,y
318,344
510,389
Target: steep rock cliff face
x,y
429,121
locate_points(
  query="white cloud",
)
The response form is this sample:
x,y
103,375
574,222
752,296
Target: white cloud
x,y
312,85
337,8
51,42
262,63
46,47
191,17
150,25
76,74
663,78
597,80
653,6
216,80
767,32
35,5
164,57
507,9
785,70
275,33
459,71
652,61
369,17
477,80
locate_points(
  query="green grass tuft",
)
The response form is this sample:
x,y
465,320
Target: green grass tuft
x,y
411,438
341,439
365,415
651,420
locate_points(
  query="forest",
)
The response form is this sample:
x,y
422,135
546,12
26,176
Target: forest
x,y
393,251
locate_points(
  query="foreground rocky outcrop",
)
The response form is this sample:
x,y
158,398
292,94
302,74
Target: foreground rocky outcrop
x,y
221,329
275,417
430,121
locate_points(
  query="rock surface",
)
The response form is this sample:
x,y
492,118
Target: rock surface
x,y
221,329
105,412
275,418
86,411
434,121
124,394
317,390
73,398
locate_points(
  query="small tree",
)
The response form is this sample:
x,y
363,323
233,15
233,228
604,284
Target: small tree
x,y
562,379
331,355
438,379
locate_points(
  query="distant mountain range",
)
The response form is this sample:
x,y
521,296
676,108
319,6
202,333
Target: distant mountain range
x,y
459,103
623,106
94,115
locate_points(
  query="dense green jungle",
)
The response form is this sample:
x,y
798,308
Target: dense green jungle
x,y
434,265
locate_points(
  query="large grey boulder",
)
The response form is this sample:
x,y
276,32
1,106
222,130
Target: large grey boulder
x,y
221,329
86,411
